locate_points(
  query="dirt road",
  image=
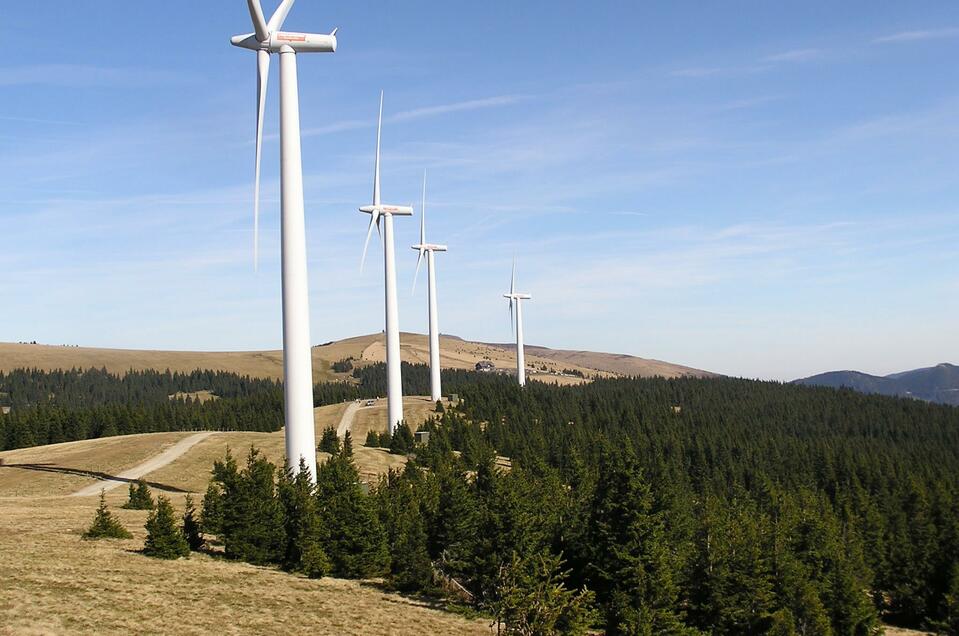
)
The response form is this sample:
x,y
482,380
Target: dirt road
x,y
154,463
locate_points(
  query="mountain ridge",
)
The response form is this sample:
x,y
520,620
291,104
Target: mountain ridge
x,y
938,383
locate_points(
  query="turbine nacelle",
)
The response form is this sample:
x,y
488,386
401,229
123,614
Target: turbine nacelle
x,y
299,42
429,247
518,296
395,210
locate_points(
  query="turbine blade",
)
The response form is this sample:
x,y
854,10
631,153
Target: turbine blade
x,y
423,215
279,16
262,78
512,280
374,219
512,326
259,23
376,163
419,260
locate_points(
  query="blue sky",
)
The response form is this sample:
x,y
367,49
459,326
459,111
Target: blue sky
x,y
754,188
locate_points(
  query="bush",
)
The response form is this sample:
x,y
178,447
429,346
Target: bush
x,y
140,497
105,525
372,439
165,540
343,366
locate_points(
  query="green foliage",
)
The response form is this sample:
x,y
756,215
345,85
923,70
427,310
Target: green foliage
x,y
329,442
343,366
397,500
348,444
439,407
211,513
372,439
165,539
353,537
402,440
140,497
251,527
531,597
105,525
304,536
191,525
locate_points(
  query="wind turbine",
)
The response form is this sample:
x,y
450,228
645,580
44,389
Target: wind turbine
x,y
297,362
436,391
394,380
513,295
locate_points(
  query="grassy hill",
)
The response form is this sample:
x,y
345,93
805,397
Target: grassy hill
x,y
59,590
456,353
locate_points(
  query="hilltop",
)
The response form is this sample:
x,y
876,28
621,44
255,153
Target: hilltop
x,y
456,353
932,384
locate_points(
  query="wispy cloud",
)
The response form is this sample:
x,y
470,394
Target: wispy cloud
x,y
795,55
82,76
716,71
413,114
915,36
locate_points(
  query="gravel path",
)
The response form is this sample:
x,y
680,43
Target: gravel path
x,y
154,463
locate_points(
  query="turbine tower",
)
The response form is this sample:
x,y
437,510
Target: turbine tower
x,y
436,390
297,362
513,295
394,380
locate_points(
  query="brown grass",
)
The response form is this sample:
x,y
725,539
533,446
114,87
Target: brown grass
x,y
455,353
56,583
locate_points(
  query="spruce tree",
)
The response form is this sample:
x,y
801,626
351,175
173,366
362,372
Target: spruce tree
x,y
211,511
329,442
353,537
402,440
252,528
105,525
191,525
348,444
139,497
304,551
165,539
372,439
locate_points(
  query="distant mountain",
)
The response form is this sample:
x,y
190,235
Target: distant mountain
x,y
933,384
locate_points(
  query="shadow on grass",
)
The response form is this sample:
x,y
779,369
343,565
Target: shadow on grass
x,y
423,600
53,468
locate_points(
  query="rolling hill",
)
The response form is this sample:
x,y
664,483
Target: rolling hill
x,y
456,353
933,384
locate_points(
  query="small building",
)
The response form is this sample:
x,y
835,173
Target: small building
x,y
422,438
485,366
4,409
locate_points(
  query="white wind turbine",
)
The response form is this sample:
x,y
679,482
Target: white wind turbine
x,y
436,391
394,380
519,298
297,363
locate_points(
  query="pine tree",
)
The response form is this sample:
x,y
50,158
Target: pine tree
x,y
105,525
191,525
252,528
372,439
211,512
304,552
353,538
139,497
165,539
402,440
632,571
348,444
329,442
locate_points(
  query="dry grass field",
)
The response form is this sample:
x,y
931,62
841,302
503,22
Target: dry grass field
x,y
456,354
54,582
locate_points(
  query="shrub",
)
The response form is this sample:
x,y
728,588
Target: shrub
x,y
105,525
140,497
372,439
165,540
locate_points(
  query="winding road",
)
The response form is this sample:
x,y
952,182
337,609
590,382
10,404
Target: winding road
x,y
154,463
346,422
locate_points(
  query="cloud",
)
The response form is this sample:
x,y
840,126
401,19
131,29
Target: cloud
x,y
84,76
795,55
410,115
915,36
